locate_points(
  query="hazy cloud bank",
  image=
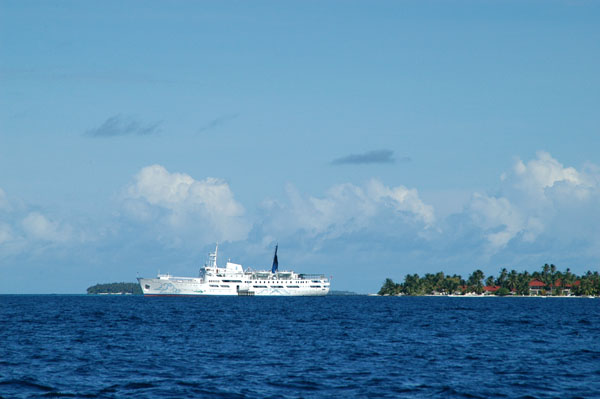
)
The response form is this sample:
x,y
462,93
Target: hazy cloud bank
x,y
536,202
24,229
120,125
541,211
346,209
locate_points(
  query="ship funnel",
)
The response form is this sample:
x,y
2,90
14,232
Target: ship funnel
x,y
275,262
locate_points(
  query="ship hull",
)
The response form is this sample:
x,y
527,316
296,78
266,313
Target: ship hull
x,y
189,287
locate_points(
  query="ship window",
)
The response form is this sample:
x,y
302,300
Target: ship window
x,y
293,286
225,286
147,286
259,286
277,286
315,286
214,285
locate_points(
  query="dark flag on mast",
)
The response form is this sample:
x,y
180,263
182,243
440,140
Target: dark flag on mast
x,y
275,262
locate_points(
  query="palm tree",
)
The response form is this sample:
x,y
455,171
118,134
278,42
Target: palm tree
x,y
546,279
389,287
428,283
474,281
513,280
501,281
451,284
412,284
553,277
523,280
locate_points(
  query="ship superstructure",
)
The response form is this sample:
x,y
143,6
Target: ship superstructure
x,y
234,280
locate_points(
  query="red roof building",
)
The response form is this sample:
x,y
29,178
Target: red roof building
x,y
558,283
536,287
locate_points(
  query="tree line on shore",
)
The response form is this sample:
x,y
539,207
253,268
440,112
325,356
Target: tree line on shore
x,y
506,283
115,288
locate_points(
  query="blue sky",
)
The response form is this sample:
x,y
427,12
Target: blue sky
x,y
370,139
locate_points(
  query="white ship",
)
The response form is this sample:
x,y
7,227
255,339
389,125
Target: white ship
x,y
234,280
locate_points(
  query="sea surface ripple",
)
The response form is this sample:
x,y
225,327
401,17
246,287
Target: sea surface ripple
x,y
252,347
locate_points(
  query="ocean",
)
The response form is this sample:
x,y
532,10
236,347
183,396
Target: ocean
x,y
322,347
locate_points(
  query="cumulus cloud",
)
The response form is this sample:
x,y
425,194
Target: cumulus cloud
x,y
39,227
540,176
347,208
377,156
402,199
6,234
534,194
204,208
120,125
25,229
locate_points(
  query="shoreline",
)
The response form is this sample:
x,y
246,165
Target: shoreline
x,y
491,296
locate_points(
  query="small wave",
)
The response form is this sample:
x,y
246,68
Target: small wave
x,y
513,322
587,354
200,391
25,384
448,391
138,385
302,384
64,395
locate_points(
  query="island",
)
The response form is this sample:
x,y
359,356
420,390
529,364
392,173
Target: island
x,y
115,289
547,282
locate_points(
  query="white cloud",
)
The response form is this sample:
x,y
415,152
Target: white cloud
x,y
533,196
185,205
402,199
38,226
502,221
539,176
346,208
6,234
22,229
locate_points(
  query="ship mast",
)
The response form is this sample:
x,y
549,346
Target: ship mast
x,y
212,257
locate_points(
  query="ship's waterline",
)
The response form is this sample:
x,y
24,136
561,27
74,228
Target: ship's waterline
x,y
234,280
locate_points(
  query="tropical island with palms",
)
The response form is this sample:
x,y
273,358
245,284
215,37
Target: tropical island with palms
x,y
547,282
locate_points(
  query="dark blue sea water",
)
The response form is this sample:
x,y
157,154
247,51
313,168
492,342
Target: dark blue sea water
x,y
249,347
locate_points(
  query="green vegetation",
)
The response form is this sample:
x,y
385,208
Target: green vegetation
x,y
115,288
548,281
